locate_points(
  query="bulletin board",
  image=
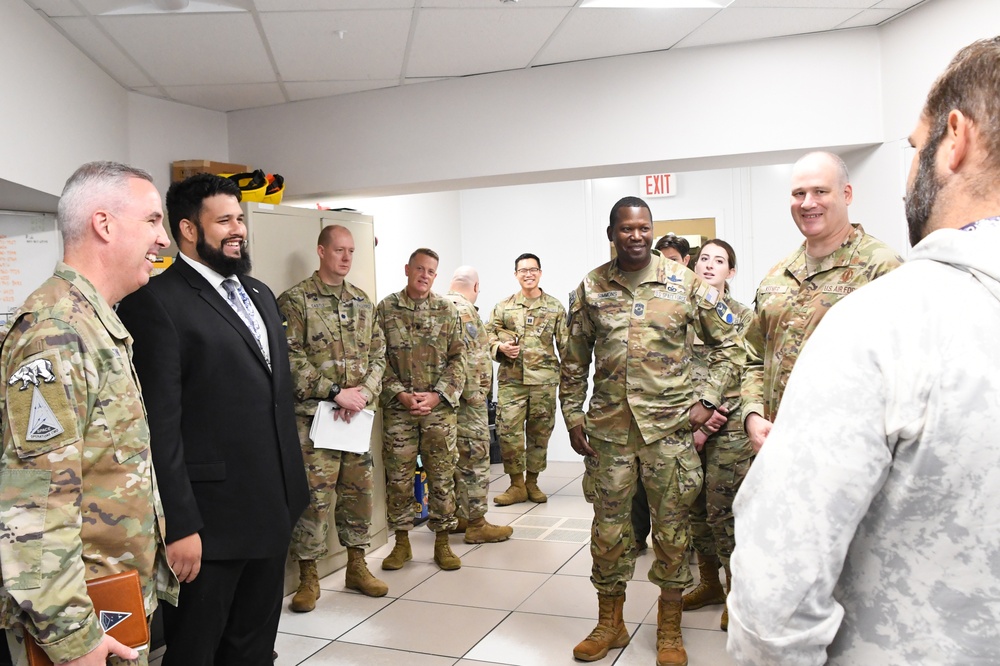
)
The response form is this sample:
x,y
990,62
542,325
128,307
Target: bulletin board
x,y
30,246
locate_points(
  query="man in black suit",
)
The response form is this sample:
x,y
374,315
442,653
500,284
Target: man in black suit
x,y
212,358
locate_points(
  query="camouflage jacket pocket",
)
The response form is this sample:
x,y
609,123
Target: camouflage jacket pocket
x,y
690,476
24,495
125,420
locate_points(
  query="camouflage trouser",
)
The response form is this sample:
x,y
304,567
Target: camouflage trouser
x,y
525,418
346,477
19,654
727,457
472,471
434,437
671,473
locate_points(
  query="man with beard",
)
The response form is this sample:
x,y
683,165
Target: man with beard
x,y
835,259
868,528
211,354
632,316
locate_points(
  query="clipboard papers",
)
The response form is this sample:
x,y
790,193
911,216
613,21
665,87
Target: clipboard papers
x,y
326,432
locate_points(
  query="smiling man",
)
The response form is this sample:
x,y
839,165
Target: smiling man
x,y
836,258
78,486
869,529
525,330
211,353
632,317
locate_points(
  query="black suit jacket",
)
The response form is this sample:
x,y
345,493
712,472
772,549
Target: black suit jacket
x,y
223,437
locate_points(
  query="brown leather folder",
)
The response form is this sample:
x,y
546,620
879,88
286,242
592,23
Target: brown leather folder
x,y
120,609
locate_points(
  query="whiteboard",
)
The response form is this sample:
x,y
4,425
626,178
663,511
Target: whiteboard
x,y
30,246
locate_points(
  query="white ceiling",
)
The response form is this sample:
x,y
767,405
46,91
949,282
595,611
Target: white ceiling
x,y
237,54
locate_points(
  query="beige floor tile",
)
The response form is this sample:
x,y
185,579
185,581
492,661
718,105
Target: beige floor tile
x,y
473,662
400,581
293,650
349,654
573,468
574,488
526,639
706,618
480,588
703,647
551,484
580,564
436,629
519,555
336,612
573,596
564,505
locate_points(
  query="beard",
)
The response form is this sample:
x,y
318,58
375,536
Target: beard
x,y
923,194
216,259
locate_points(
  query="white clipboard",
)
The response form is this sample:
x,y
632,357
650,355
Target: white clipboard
x,y
326,432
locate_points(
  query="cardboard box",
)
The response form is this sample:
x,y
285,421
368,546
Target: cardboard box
x,y
187,168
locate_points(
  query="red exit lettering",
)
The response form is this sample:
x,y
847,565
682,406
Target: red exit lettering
x,y
658,185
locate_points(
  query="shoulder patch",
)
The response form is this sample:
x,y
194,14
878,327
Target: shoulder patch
x,y
725,314
41,416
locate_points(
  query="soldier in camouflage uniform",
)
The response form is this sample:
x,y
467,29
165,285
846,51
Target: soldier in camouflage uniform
x,y
472,472
633,315
524,332
78,495
836,259
423,382
336,353
871,525
726,453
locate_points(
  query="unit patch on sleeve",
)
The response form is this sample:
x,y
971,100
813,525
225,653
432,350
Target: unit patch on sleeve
x,y
39,410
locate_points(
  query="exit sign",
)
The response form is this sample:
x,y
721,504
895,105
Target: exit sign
x,y
658,185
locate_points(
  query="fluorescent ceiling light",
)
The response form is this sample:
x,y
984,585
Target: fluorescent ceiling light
x,y
658,4
136,7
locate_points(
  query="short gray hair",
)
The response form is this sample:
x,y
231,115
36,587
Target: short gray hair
x,y
94,185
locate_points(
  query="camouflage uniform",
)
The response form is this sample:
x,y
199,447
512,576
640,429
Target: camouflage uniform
x,y
725,458
78,496
472,472
526,385
643,392
790,304
332,339
424,352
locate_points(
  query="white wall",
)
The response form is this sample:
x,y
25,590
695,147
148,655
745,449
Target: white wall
x,y
58,109
577,120
161,132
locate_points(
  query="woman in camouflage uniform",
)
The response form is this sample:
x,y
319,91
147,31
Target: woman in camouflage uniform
x,y
725,455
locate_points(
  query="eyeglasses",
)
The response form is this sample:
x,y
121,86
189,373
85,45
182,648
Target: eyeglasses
x,y
528,271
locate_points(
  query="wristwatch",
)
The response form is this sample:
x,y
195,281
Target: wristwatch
x,y
334,392
441,395
706,404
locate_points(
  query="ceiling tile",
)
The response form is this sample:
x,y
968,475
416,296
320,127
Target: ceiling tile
x,y
313,89
746,24
54,8
622,31
326,5
194,49
897,4
806,4
487,4
458,42
104,52
373,46
228,97
869,17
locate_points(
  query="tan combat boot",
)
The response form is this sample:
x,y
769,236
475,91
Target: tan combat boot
x,y
609,633
480,531
308,592
401,552
724,622
516,494
669,643
443,556
709,590
460,527
534,492
359,578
